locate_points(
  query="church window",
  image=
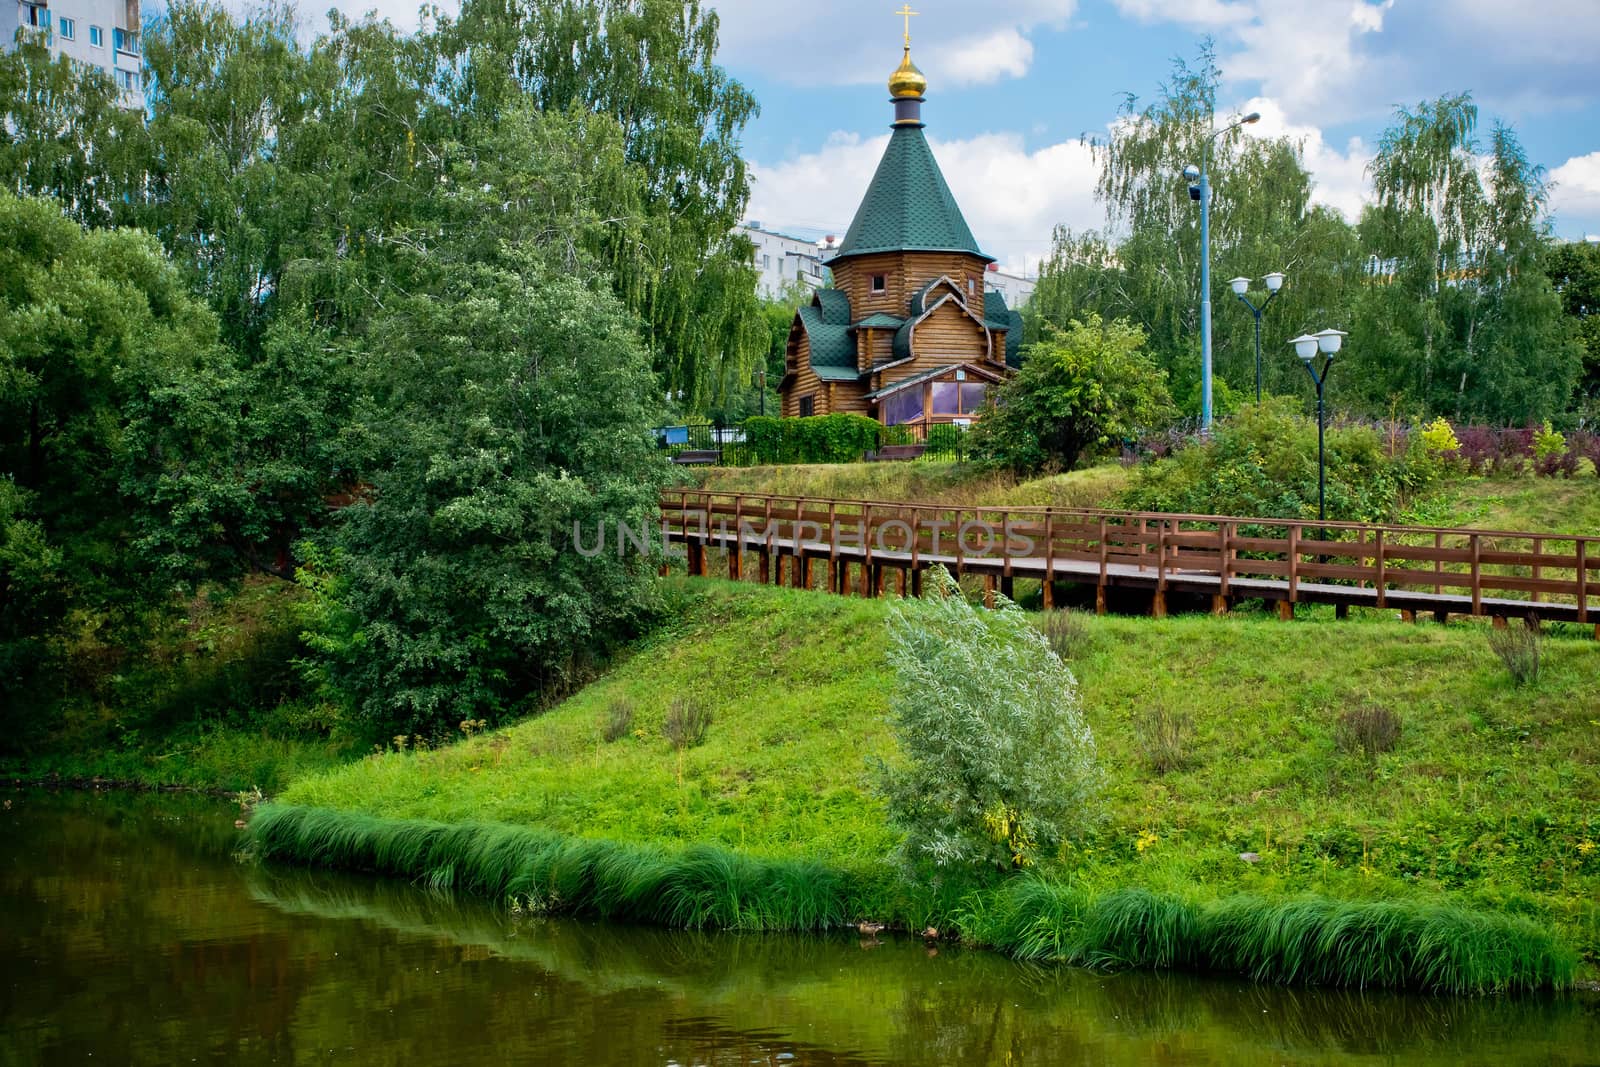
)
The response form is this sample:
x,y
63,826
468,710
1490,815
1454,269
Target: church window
x,y
904,406
808,406
880,283
958,398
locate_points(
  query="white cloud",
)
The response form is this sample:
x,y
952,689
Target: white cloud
x,y
1576,197
842,42
1012,198
1004,53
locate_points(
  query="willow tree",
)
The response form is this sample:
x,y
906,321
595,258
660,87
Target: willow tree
x,y
649,65
1146,266
1460,315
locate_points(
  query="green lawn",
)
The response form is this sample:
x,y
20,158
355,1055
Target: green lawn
x,y
1491,798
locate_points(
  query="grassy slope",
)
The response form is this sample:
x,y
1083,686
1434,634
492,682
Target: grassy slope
x,y
1491,797
925,482
1558,505
1502,502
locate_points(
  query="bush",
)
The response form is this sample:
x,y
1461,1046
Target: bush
x,y
999,764
838,438
1065,633
1164,738
1368,732
1519,649
1439,439
687,723
1262,462
618,720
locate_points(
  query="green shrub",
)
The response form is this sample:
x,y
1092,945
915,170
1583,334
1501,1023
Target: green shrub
x,y
838,438
1262,462
687,723
1439,438
1548,441
999,764
1519,649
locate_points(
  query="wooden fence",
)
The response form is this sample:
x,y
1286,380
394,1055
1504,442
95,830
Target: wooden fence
x,y
864,546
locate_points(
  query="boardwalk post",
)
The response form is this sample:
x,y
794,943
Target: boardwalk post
x,y
1383,575
1286,610
1219,605
1538,571
1049,588
1101,582
988,591
736,552
1583,584
1438,563
1294,564
1477,577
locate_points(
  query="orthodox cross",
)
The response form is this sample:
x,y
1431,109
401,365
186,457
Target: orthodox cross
x,y
908,13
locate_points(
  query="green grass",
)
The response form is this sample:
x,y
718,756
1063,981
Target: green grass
x,y
954,484
1515,503
1485,808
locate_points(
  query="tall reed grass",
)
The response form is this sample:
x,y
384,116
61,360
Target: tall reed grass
x,y
1437,947
700,887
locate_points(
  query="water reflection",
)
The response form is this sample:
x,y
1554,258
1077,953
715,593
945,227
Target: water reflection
x,y
132,936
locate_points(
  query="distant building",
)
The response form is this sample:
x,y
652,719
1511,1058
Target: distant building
x,y
98,33
1014,287
781,259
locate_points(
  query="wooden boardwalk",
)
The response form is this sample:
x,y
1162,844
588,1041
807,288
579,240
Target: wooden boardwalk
x,y
870,547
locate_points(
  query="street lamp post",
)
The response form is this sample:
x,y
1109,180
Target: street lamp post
x,y
1202,193
1306,346
1241,286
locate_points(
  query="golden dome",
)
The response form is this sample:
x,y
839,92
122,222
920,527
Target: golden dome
x,y
907,81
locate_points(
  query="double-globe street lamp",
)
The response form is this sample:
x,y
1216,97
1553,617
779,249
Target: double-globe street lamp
x,y
1241,289
1306,346
1201,191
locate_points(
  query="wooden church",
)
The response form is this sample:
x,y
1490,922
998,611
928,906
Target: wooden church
x,y
908,334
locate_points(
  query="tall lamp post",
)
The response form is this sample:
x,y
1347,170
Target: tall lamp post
x,y
1241,287
1306,346
1202,192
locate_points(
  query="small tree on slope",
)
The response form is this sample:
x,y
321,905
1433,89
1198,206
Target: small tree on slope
x,y
997,765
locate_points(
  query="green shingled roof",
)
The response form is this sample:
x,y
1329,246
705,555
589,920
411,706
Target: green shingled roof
x,y
908,206
1001,317
833,349
878,320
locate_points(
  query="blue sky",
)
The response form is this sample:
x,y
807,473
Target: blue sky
x,y
1012,93
1014,84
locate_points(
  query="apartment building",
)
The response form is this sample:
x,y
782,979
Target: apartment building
x,y
99,33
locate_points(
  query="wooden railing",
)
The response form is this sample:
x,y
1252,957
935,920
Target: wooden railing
x,y
1410,568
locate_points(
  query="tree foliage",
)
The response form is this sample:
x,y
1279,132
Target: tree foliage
x,y
1081,388
997,762
1441,285
512,407
94,326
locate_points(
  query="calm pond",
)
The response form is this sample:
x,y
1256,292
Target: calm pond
x,y
131,935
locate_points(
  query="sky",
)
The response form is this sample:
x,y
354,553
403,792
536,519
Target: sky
x,y
1015,86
